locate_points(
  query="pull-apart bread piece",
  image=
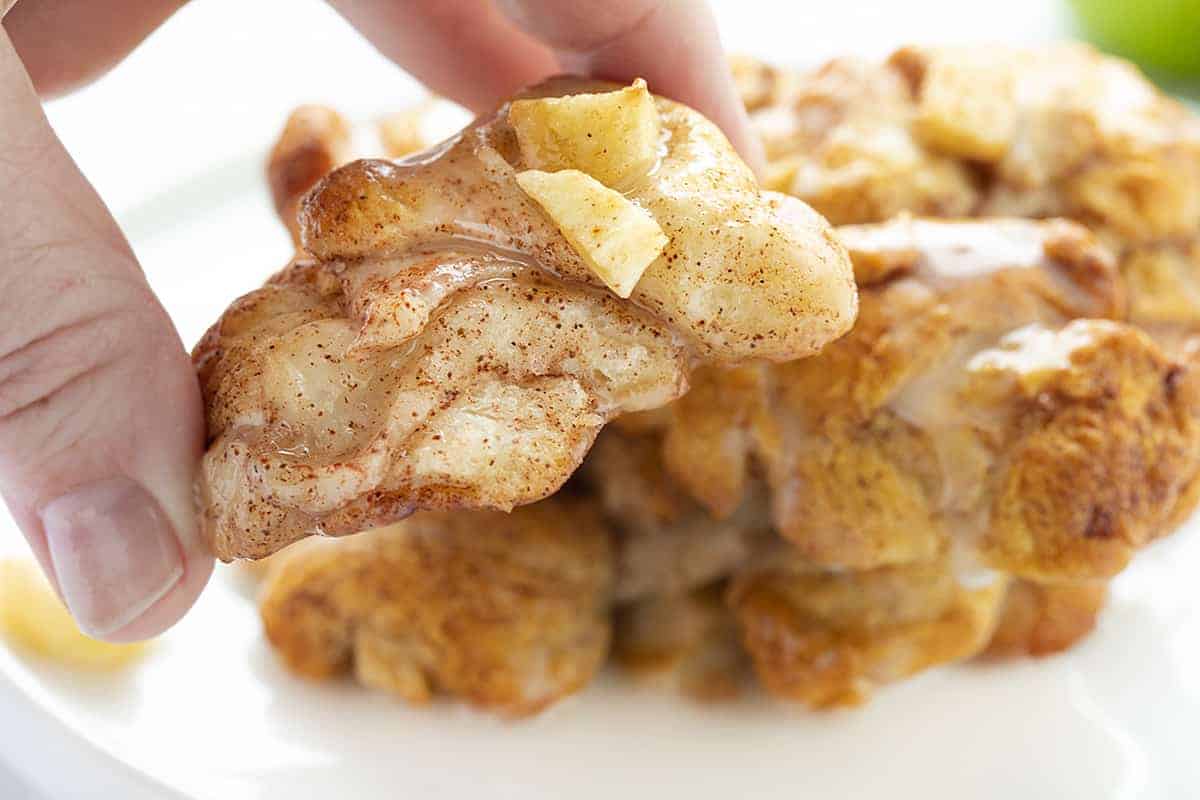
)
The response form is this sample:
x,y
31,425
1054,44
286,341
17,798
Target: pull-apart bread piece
x,y
1057,131
828,638
962,471
960,476
315,141
509,612
463,322
1039,619
664,542
956,477
687,641
988,401
701,600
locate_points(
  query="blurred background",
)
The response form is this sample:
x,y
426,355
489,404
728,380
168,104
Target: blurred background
x,y
190,114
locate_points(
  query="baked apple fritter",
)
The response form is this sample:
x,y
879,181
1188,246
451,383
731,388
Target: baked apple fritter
x,y
829,638
447,340
507,611
987,399
984,541
1058,131
1039,619
316,140
985,447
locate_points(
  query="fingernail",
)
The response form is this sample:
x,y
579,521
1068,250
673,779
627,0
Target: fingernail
x,y
114,552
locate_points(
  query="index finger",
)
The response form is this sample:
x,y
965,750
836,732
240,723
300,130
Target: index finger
x,y
673,44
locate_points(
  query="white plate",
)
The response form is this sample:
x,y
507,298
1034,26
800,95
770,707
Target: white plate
x,y
210,715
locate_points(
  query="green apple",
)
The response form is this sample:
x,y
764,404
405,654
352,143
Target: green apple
x,y
1159,34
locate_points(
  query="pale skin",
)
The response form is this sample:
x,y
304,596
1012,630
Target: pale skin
x,y
101,426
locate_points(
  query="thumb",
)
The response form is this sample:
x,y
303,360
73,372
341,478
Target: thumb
x,y
100,415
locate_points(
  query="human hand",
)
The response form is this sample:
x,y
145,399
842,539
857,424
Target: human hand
x,y
101,421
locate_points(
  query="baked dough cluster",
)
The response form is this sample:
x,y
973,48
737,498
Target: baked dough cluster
x,y
447,337
1015,413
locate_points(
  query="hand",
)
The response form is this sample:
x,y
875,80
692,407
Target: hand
x,y
101,421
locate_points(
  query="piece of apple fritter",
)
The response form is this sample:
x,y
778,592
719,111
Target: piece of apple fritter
x,y
1051,131
446,343
316,140
988,423
1039,619
829,638
507,611
982,402
664,542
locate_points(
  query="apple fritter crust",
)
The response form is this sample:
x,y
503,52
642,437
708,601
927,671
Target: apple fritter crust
x,y
959,476
316,140
509,612
1039,619
442,344
665,544
688,641
730,241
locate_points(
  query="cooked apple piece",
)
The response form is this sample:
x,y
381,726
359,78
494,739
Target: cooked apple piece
x,y
612,136
966,107
617,238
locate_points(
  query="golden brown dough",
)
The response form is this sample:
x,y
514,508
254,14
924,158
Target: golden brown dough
x,y
982,420
507,611
829,638
314,141
666,545
672,625
960,474
729,240
980,403
688,641
1108,469
447,347
405,132
992,131
1040,619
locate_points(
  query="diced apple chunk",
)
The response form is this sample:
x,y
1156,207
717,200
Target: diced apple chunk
x,y
612,136
617,238
967,109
